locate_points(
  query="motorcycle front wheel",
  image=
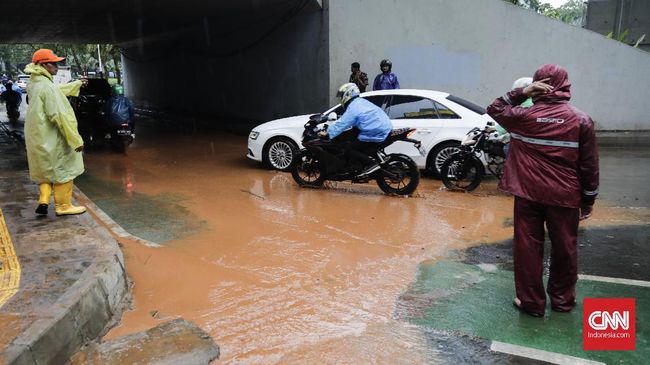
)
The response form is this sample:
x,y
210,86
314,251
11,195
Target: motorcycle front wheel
x,y
307,170
400,176
462,173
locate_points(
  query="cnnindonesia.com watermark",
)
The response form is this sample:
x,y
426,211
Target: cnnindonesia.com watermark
x,y
609,324
607,335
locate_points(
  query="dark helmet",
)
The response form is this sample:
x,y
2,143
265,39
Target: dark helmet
x,y
386,63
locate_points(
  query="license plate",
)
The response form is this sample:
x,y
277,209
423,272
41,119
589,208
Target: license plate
x,y
123,132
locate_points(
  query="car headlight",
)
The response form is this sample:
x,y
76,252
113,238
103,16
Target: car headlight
x,y
253,135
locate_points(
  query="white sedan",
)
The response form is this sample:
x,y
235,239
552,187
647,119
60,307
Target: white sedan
x,y
442,121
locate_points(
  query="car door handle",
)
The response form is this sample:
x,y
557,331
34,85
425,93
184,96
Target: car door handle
x,y
424,131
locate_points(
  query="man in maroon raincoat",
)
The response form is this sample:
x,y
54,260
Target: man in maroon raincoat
x,y
552,170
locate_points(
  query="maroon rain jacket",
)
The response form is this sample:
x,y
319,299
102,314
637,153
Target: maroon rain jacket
x,y
553,157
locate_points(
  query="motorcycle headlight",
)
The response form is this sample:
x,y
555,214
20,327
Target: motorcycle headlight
x,y
253,135
469,140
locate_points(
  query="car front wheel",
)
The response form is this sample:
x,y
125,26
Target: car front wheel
x,y
279,153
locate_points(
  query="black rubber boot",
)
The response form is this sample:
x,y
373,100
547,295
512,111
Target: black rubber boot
x,y
41,209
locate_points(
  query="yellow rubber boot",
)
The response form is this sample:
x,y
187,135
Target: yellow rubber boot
x,y
63,200
45,190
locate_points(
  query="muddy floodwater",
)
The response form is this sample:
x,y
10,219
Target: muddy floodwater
x,y
276,273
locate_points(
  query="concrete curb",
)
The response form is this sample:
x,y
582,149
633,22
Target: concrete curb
x,y
81,314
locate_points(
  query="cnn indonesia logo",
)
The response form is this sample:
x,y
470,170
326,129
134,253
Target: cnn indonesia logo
x,y
609,324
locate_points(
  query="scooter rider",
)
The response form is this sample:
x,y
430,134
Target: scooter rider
x,y
373,124
12,99
119,109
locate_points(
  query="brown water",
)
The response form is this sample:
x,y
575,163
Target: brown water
x,y
281,274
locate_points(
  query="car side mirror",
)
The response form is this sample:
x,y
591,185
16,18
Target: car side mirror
x,y
332,117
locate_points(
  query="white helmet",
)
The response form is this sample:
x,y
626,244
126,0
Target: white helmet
x,y
522,82
347,92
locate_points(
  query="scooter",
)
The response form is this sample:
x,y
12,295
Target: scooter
x,y
464,169
95,126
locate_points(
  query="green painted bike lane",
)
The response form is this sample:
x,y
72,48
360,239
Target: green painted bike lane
x,y
158,218
475,300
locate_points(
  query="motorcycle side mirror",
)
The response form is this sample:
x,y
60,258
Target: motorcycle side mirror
x,y
332,117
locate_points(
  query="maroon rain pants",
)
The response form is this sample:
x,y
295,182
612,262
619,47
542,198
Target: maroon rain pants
x,y
528,252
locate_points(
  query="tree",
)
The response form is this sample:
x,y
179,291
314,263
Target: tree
x,y
14,57
572,12
81,57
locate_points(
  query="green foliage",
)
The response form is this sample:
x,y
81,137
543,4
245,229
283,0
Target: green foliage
x,y
572,12
80,57
623,38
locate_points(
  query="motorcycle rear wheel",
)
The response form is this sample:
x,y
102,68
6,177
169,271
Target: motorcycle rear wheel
x,y
307,170
462,173
407,176
120,143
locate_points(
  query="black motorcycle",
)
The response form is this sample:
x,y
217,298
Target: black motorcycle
x,y
324,159
464,169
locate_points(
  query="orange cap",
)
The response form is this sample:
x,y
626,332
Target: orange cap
x,y
45,55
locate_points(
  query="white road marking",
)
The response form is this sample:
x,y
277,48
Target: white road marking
x,y
541,355
605,279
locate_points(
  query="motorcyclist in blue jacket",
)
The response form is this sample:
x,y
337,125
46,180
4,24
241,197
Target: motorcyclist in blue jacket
x,y
373,124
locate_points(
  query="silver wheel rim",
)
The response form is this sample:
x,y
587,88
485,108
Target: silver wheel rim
x,y
280,155
443,155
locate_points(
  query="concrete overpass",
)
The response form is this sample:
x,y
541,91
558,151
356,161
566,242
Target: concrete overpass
x,y
261,59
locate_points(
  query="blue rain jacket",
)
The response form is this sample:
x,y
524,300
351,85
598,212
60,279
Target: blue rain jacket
x,y
386,82
119,110
372,122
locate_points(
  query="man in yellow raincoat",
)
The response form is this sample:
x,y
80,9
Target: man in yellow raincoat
x,y
53,142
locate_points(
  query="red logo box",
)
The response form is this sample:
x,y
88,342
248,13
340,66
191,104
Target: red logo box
x,y
609,324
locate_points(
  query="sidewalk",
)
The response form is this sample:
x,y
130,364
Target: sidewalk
x,y
622,138
66,281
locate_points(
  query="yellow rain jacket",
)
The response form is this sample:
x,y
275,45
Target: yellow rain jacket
x,y
51,135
